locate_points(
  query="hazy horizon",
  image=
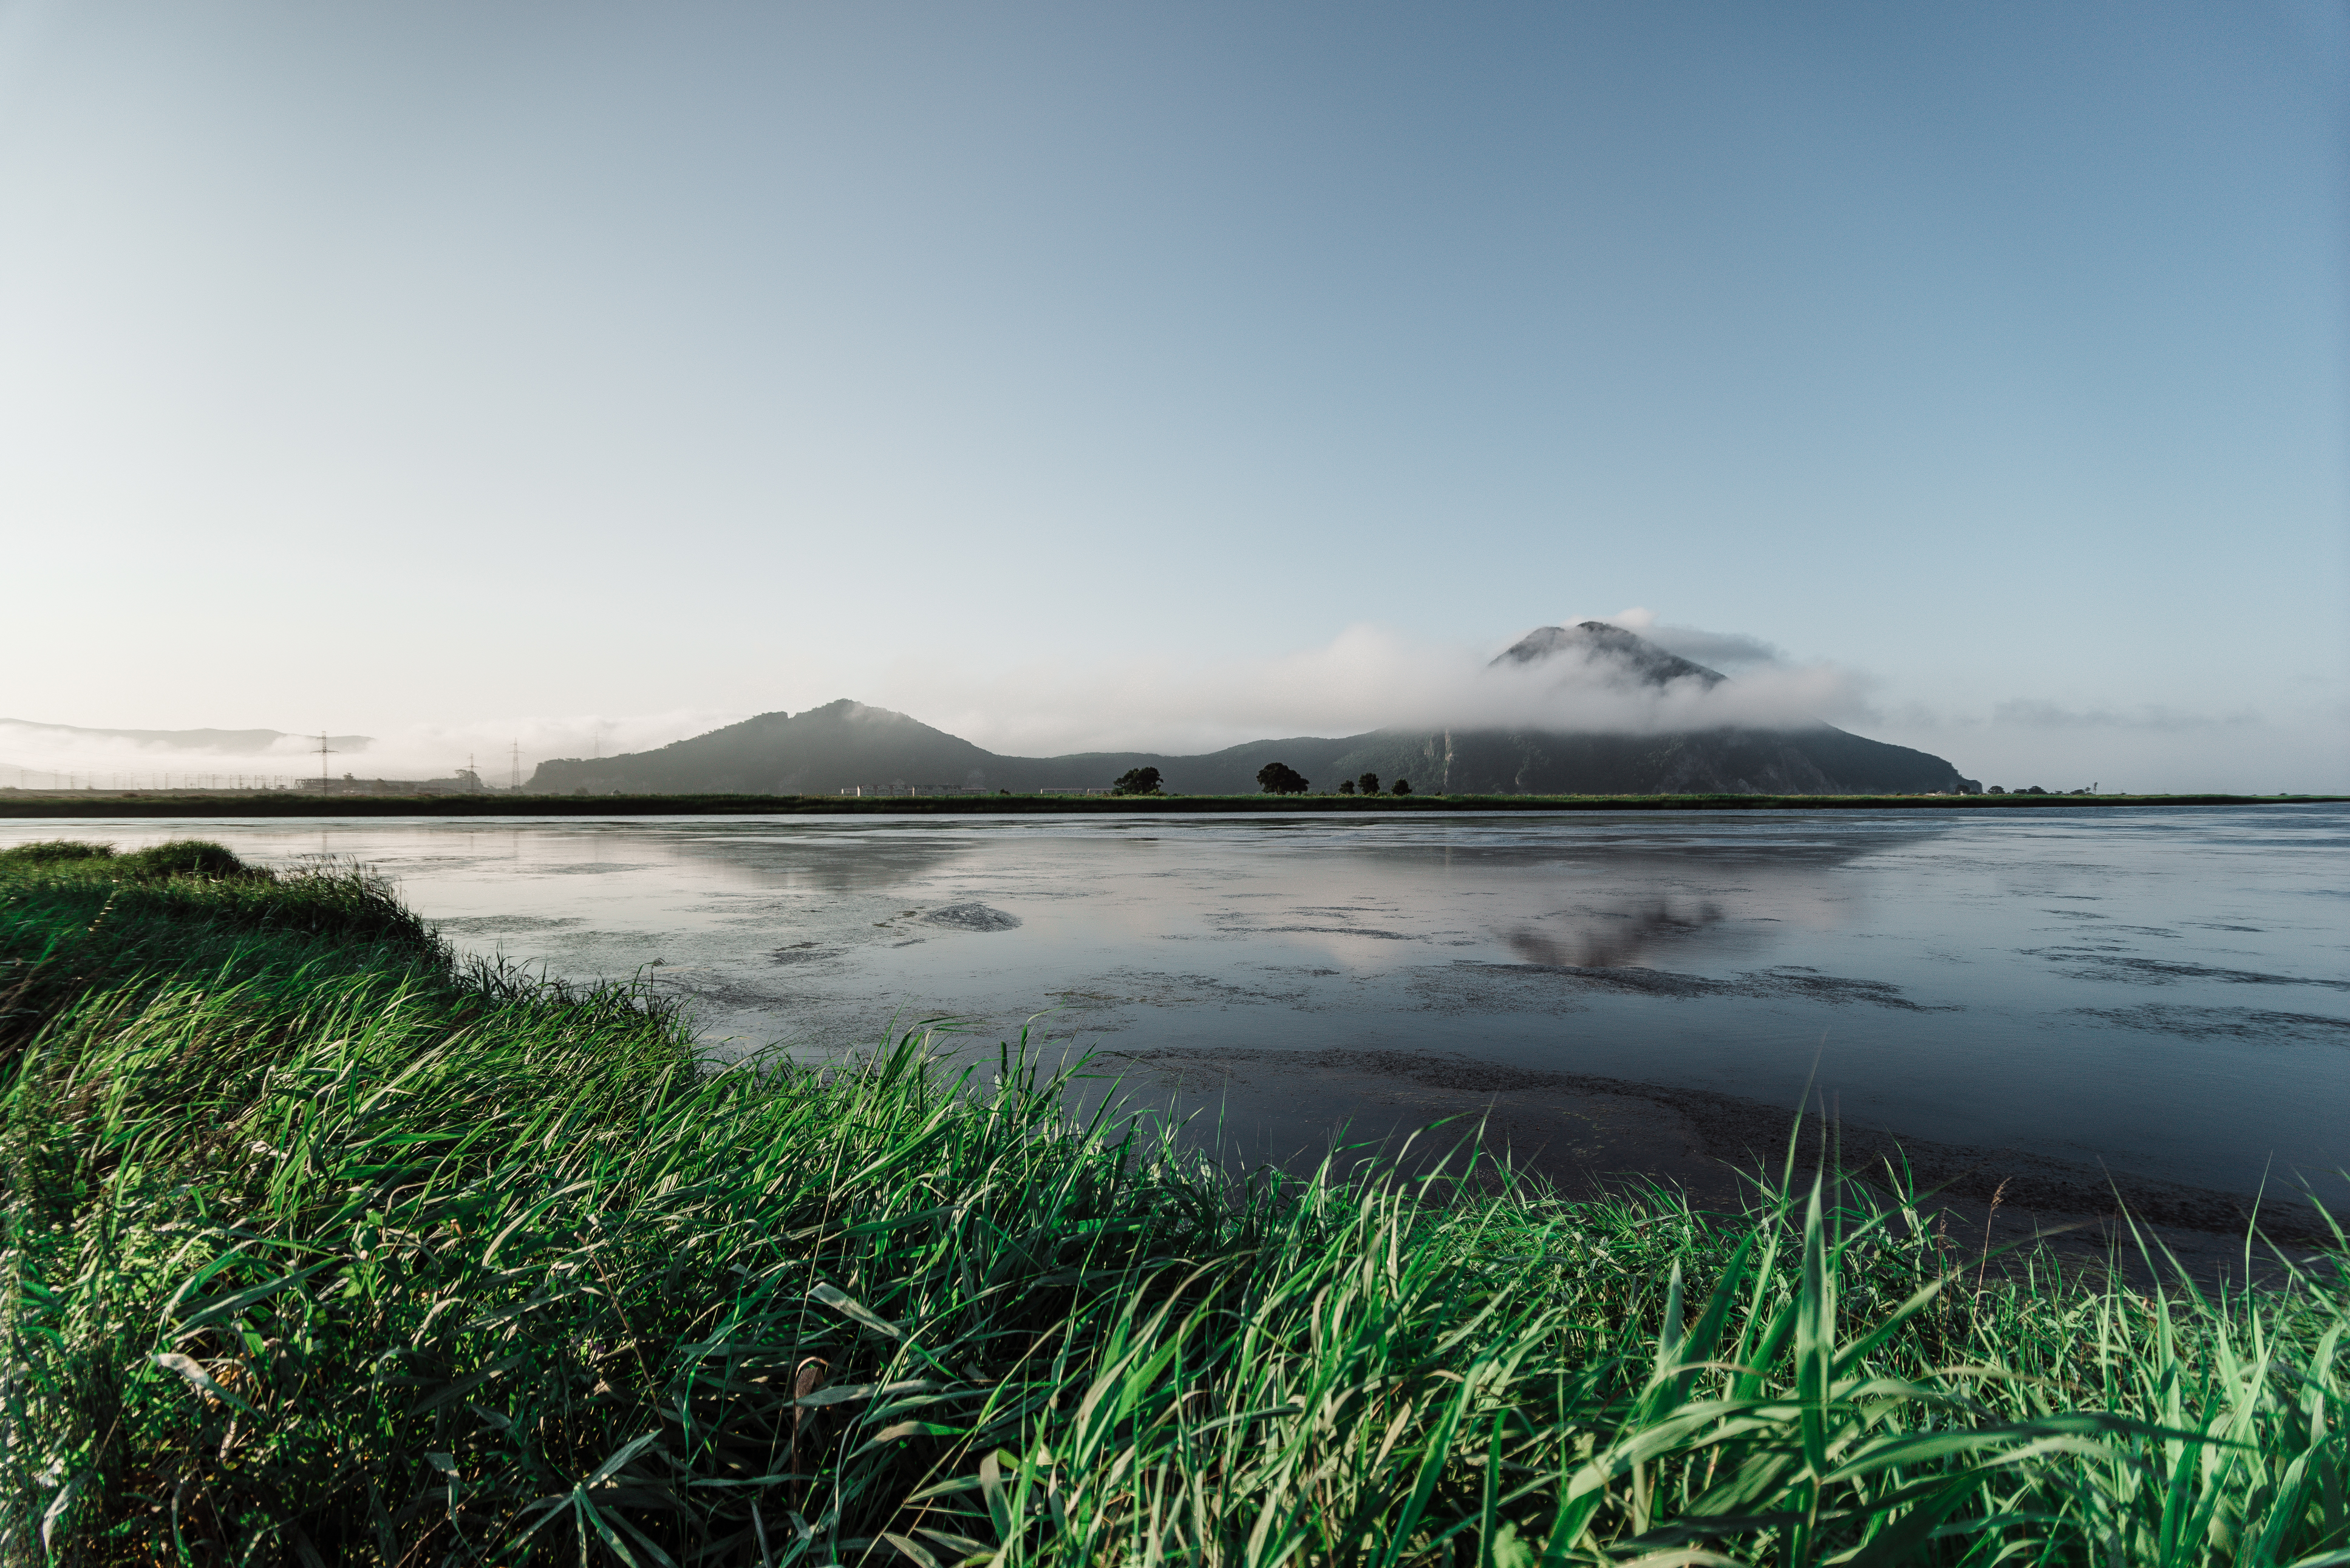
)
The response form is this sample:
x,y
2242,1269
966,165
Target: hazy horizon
x,y
1364,681
1067,379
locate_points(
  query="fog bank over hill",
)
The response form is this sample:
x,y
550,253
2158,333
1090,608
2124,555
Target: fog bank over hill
x,y
2066,731
1366,678
1591,708
45,755
1370,691
26,735
409,751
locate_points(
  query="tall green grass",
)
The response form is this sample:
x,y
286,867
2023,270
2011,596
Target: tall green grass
x,y
326,1250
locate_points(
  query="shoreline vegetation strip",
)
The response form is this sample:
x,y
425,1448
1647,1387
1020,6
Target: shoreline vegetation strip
x,y
325,1248
85,804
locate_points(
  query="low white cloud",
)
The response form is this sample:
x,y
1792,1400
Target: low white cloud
x,y
2148,748
40,754
2032,713
1366,678
1723,650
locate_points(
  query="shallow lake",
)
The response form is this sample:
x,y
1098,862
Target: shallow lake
x,y
2161,992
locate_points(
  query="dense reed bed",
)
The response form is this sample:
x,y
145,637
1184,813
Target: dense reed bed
x,y
327,1250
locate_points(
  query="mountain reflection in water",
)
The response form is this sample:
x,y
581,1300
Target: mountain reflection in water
x,y
1608,939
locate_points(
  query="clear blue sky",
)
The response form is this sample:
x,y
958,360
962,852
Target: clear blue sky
x,y
458,365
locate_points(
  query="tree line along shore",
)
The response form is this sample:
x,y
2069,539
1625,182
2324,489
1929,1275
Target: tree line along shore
x,y
273,803
327,1247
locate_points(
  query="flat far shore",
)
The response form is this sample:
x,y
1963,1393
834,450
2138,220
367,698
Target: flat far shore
x,y
83,804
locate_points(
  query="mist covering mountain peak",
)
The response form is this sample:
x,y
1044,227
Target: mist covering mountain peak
x,y
846,744
1607,651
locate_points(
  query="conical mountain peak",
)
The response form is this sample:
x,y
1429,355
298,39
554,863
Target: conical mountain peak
x,y
1610,648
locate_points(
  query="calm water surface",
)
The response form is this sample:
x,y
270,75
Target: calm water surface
x,y
2165,990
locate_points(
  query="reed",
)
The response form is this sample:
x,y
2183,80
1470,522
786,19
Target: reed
x,y
329,1250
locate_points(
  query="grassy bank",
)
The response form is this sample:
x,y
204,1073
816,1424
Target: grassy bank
x,y
99,804
329,1251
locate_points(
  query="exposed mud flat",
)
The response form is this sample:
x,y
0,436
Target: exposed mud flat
x,y
1790,979
1585,1133
973,917
502,925
2252,1024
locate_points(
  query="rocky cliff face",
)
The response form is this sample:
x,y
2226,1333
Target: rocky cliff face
x,y
846,745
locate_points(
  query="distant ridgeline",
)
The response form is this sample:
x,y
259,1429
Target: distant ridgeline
x,y
847,746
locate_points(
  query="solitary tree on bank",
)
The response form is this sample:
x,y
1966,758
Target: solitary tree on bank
x,y
1280,778
1137,781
